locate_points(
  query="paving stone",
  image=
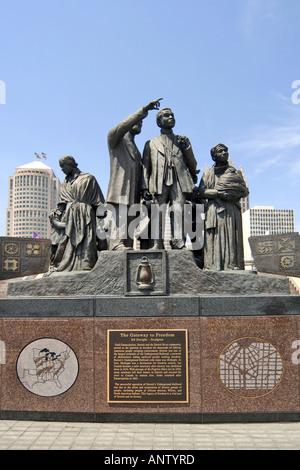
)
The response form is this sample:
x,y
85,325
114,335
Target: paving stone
x,y
68,436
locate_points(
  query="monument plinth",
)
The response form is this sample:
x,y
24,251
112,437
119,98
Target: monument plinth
x,y
196,346
148,335
175,273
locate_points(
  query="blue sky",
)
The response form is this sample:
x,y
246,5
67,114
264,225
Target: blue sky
x,y
74,68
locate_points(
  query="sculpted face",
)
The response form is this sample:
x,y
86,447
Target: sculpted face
x,y
220,154
67,165
166,119
66,169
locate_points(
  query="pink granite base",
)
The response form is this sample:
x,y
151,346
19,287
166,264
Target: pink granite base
x,y
270,387
77,334
224,356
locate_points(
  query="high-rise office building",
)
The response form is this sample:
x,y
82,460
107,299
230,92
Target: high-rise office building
x,y
265,220
32,194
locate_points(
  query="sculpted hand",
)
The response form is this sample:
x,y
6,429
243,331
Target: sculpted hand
x,y
56,223
195,177
153,104
210,194
183,142
146,195
225,196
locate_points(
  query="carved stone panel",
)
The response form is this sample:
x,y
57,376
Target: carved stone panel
x,y
277,254
23,257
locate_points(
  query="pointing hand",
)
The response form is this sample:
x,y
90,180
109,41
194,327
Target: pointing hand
x,y
154,104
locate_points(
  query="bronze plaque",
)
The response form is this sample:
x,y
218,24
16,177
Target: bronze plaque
x,y
21,257
147,366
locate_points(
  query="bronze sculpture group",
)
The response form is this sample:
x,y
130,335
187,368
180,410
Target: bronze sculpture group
x,y
164,176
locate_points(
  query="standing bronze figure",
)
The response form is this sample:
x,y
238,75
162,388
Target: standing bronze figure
x,y
74,221
222,186
125,172
169,175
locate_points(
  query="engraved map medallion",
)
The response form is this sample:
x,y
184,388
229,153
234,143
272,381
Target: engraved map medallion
x,y
47,367
250,367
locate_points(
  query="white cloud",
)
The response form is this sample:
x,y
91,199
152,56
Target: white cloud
x,y
264,165
293,171
277,139
254,11
272,154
